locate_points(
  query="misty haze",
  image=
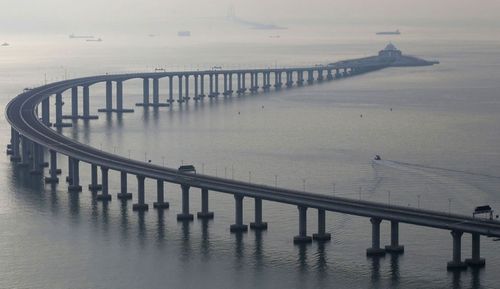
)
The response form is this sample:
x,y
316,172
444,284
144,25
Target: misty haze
x,y
250,144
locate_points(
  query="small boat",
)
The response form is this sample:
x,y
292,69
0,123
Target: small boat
x,y
377,158
389,32
5,44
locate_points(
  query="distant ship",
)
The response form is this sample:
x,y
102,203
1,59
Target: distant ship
x,y
5,44
81,36
94,40
184,33
389,32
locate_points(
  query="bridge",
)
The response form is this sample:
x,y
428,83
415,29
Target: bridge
x,y
31,133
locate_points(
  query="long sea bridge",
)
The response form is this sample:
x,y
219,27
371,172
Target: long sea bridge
x,y
32,133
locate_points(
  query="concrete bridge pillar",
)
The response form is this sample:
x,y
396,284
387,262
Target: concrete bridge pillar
x,y
69,177
216,78
160,198
205,213
123,194
310,77
145,92
225,91
476,260
35,159
119,96
94,186
375,250
179,98
156,92
320,75
196,94
185,215
15,155
25,152
238,225
230,83
86,104
141,205
104,196
74,102
321,235
252,82
75,176
329,75
302,237
171,89
59,115
186,97
109,96
52,179
238,83
211,85
457,263
258,224
289,81
202,86
395,247
337,73
256,87
46,111
243,82
300,78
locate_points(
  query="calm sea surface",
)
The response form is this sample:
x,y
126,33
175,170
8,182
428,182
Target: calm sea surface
x,y
439,144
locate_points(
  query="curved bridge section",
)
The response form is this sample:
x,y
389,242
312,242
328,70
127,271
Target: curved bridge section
x,y
31,134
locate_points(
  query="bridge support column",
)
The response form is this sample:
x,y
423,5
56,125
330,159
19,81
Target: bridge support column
x,y
104,196
289,81
179,99
211,85
230,84
238,77
25,152
243,82
252,82
35,159
258,224
256,87
69,177
395,247
202,86
160,198
185,215
119,99
156,92
375,250
329,75
186,96
238,226
302,237
109,97
145,92
15,155
216,79
337,73
75,176
123,194
300,78
320,75
205,213
59,115
94,186
322,235
170,90
86,104
141,205
225,90
74,102
310,77
196,94
476,260
457,263
52,179
46,111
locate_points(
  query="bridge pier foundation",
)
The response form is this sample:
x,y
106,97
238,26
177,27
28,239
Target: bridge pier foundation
x,y
185,215
104,196
395,247
196,95
15,155
258,224
74,102
52,179
59,115
25,152
141,204
109,98
46,111
75,176
160,196
119,99
375,250
205,213
94,186
302,237
216,79
123,194
476,260
202,86
35,159
186,96
69,177
238,225
322,235
86,104
456,263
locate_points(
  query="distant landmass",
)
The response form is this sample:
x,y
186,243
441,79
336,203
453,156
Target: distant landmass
x,y
389,32
231,16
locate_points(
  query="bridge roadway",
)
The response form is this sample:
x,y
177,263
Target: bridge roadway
x,y
22,116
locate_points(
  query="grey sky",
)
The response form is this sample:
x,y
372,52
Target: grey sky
x,y
59,14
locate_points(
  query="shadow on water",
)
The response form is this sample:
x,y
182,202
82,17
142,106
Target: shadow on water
x,y
395,277
124,220
141,225
185,241
239,252
160,236
375,271
205,240
258,252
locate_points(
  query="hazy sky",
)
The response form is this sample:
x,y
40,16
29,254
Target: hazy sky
x,y
62,15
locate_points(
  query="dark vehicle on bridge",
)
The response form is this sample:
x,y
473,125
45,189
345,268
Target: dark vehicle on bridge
x,y
187,169
481,210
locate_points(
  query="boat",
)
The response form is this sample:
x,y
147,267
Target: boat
x,y
184,33
377,158
73,36
397,32
5,44
94,40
